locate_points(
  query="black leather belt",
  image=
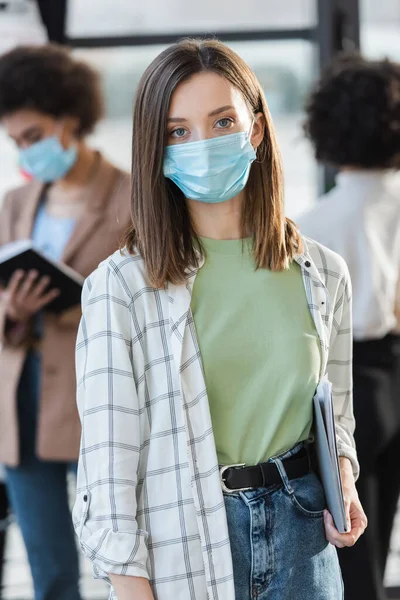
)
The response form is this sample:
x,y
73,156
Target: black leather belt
x,y
235,478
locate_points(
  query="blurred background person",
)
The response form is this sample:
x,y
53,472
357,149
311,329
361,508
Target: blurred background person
x,y
75,210
3,523
353,123
20,23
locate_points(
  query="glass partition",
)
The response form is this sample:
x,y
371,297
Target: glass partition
x,y
93,18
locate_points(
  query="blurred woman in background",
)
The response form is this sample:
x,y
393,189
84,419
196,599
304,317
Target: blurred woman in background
x,y
3,524
354,124
75,210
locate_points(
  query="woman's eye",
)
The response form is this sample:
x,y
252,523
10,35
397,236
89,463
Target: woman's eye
x,y
224,123
33,139
178,133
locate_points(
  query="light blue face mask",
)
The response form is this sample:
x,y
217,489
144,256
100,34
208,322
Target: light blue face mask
x,y
213,170
47,160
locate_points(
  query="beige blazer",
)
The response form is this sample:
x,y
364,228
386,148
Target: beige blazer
x,y
96,235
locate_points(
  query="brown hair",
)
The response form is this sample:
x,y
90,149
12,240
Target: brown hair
x,y
50,80
161,229
353,114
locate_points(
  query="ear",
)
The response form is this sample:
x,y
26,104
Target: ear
x,y
257,132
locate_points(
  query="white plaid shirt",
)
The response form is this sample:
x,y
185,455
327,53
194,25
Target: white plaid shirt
x,y
149,498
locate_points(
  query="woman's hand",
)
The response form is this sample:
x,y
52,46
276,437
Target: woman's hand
x,y
26,294
355,515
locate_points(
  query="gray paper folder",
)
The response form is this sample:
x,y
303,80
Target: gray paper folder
x,y
326,448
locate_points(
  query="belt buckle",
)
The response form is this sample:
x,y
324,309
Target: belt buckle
x,y
221,473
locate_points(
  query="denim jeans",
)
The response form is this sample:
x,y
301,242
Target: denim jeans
x,y
39,498
279,549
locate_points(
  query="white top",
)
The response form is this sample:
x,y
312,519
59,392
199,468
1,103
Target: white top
x,y
360,220
149,498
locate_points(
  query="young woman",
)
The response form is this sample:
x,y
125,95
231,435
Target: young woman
x,y
353,123
200,350
75,209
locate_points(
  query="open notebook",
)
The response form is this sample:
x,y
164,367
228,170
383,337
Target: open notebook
x,y
23,255
327,454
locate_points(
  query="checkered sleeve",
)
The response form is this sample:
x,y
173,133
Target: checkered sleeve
x,y
105,509
340,369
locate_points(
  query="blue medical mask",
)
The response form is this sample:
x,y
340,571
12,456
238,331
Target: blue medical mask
x,y
213,170
47,160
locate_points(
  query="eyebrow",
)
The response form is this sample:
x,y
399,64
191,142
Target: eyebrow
x,y
220,110
26,132
213,113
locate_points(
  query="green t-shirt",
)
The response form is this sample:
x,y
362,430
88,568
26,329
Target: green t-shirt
x,y
260,352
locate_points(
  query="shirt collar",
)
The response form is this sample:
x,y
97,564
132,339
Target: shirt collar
x,y
361,178
305,260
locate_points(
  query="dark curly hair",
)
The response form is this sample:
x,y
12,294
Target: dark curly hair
x,y
48,79
353,114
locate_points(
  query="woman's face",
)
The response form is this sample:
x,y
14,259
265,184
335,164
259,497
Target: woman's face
x,y
26,127
208,106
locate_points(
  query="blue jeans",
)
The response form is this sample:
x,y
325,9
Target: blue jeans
x,y
39,498
279,549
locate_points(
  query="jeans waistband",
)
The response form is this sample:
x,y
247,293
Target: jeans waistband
x,y
291,452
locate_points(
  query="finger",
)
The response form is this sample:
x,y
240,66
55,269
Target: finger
x,y
330,530
359,520
15,282
47,298
340,540
347,505
41,286
360,524
357,533
359,517
27,285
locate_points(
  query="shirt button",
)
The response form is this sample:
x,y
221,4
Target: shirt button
x,y
85,498
307,264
